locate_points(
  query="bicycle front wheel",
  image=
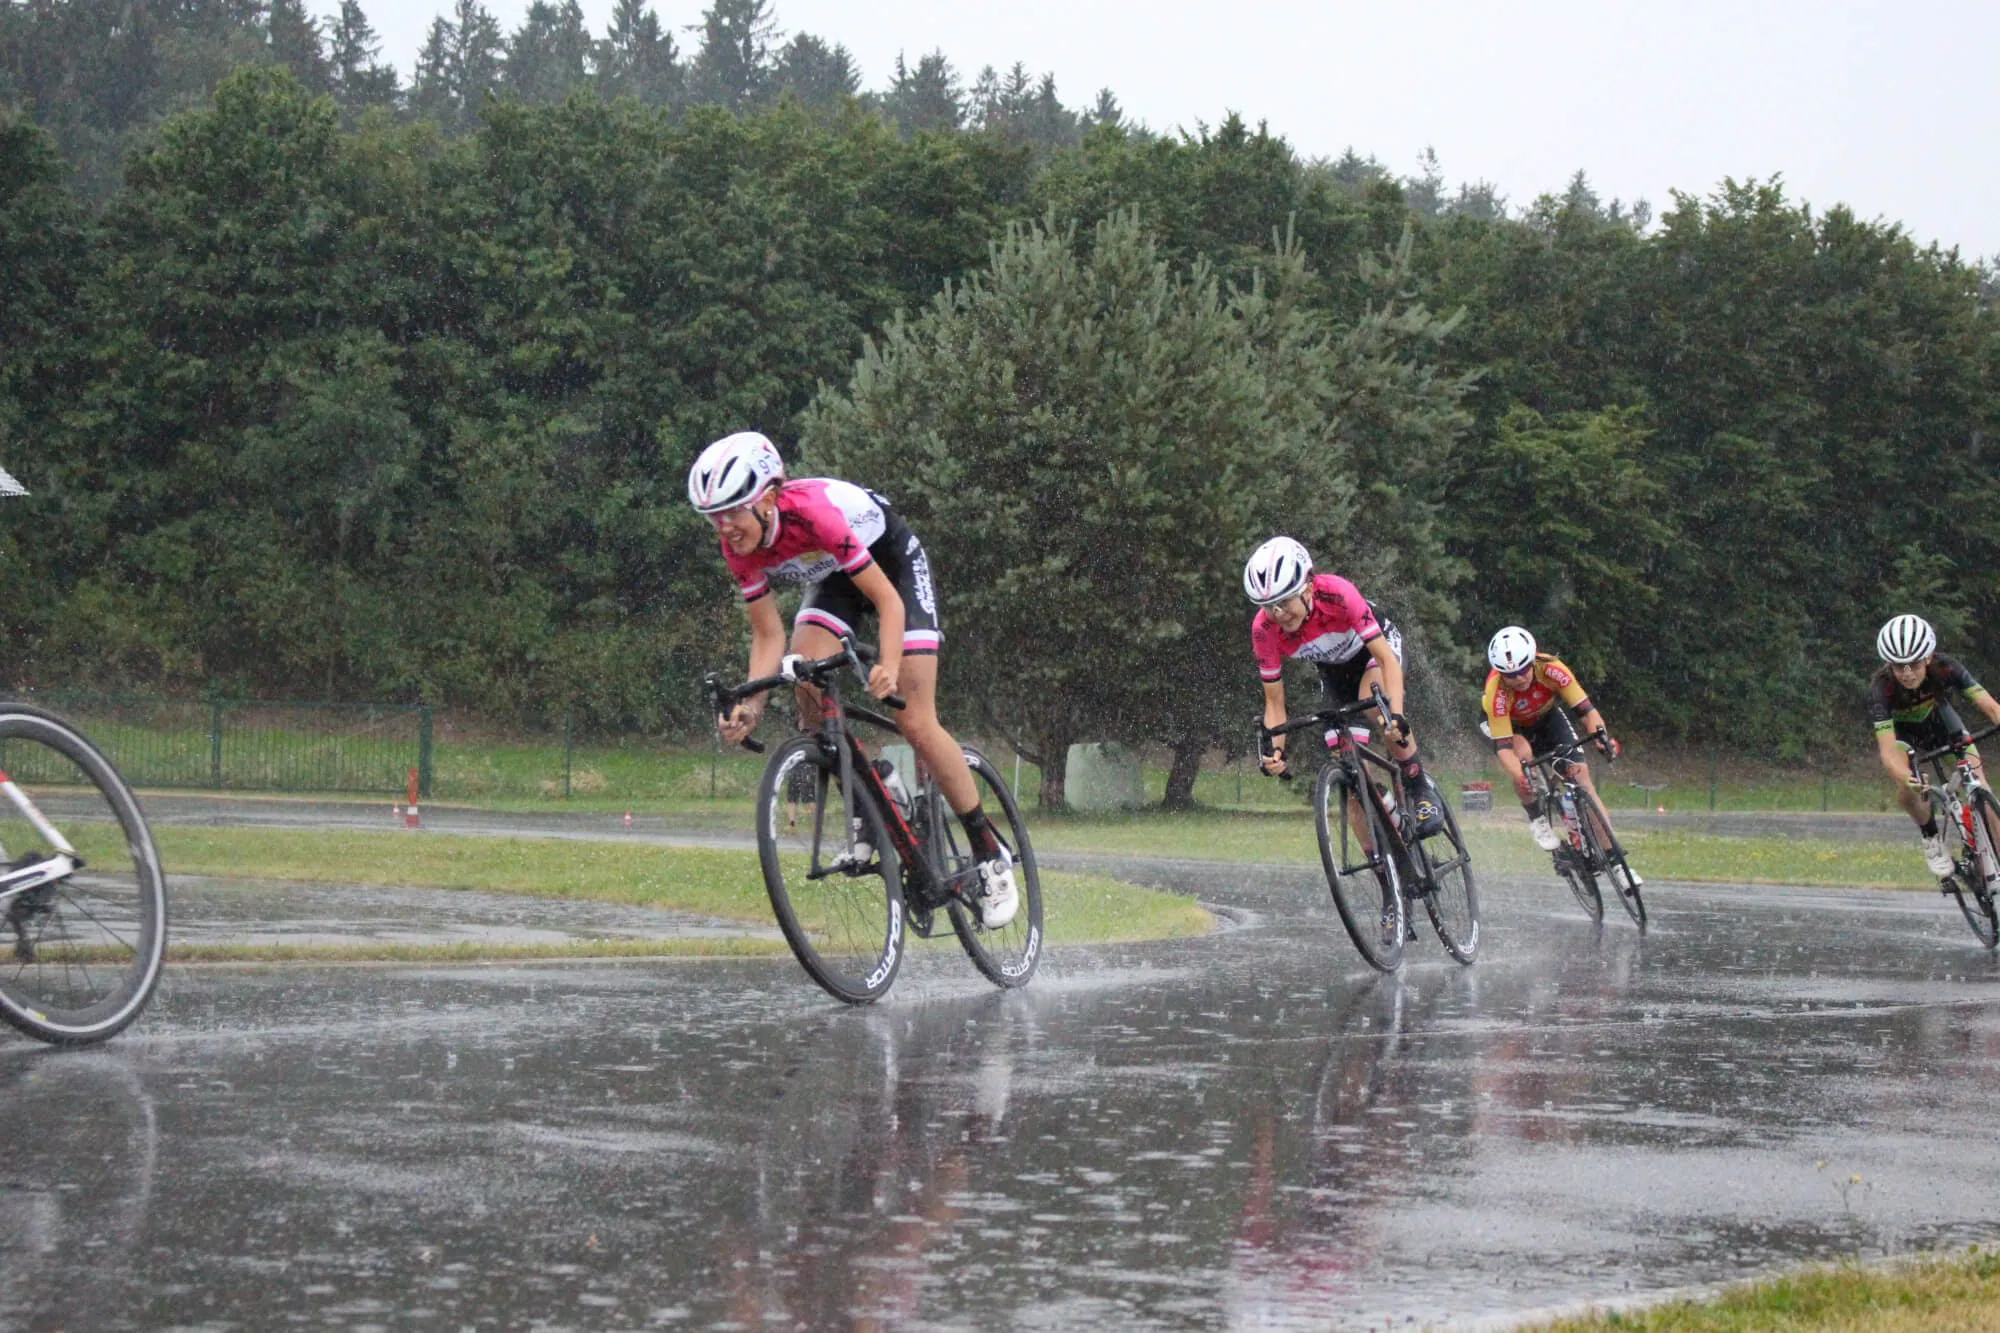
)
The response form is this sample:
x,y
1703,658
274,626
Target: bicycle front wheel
x,y
1975,876
1006,956
1451,898
1358,850
838,902
1606,852
85,900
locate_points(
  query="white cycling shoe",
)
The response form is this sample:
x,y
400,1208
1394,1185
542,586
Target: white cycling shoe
x,y
1545,833
1936,857
998,899
858,857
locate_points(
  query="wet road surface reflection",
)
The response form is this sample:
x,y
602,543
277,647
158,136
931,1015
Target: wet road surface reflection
x,y
1245,1131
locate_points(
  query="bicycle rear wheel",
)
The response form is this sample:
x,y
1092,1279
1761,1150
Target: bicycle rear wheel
x,y
1451,898
1008,955
80,954
1361,868
1606,852
843,920
1975,876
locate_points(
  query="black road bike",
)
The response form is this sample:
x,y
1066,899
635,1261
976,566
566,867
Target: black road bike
x,y
1969,817
852,859
1376,866
83,902
1589,849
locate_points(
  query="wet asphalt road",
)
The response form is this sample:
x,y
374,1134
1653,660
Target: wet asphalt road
x,y
1243,1131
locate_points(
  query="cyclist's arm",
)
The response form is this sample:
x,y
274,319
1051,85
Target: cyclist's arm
x,y
1894,757
1274,714
1987,703
1593,721
1516,771
875,586
767,647
1392,671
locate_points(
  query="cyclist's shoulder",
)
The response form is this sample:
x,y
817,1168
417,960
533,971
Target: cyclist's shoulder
x,y
1552,670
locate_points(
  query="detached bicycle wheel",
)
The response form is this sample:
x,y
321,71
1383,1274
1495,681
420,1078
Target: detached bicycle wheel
x,y
1975,876
842,915
1358,850
85,930
1008,955
1617,870
1451,899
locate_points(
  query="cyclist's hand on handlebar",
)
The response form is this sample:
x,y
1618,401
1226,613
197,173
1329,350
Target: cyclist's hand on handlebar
x,y
1401,726
882,681
1274,765
742,720
1609,744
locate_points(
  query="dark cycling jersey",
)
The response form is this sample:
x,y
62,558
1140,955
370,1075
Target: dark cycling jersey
x,y
1891,707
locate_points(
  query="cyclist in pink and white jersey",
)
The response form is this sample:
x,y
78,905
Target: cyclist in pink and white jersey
x,y
855,554
1324,619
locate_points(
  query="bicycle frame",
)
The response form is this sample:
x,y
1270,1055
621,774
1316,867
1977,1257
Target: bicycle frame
x,y
64,863
1951,788
1353,756
921,870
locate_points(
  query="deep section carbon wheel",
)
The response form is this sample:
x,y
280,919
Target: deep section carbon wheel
x,y
1357,848
833,878
1006,955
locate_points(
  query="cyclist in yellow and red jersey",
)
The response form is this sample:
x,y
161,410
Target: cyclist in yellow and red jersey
x,y
1908,701
1520,713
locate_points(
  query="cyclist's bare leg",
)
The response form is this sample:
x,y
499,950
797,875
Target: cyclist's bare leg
x,y
927,736
918,721
1403,747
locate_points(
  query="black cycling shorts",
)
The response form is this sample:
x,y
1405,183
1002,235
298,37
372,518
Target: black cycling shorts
x,y
836,604
1341,681
1548,731
1943,727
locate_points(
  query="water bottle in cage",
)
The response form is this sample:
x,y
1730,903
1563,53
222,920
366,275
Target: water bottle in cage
x,y
893,780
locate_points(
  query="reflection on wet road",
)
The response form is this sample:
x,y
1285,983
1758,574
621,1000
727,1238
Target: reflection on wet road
x,y
1245,1131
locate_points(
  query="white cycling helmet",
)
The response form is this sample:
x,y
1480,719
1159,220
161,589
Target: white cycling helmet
x,y
1906,639
1511,650
1278,569
733,471
9,487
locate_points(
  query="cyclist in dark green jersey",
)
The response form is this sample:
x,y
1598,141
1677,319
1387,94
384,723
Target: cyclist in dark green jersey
x,y
1909,703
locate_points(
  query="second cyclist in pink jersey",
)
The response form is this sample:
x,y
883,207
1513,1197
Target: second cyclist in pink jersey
x,y
1324,619
854,554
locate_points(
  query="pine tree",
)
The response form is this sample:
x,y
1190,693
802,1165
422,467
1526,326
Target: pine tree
x,y
733,67
925,98
637,58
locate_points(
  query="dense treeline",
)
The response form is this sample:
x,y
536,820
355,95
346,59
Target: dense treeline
x,y
319,404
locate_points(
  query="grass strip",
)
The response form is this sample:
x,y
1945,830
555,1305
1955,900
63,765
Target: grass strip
x,y
1500,845
472,951
1953,1292
720,883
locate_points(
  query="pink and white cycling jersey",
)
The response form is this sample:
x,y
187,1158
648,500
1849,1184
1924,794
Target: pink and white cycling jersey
x,y
824,526
1337,629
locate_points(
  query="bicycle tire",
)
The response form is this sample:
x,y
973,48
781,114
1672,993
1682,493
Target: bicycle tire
x,y
1450,896
1009,955
1607,854
1970,881
845,926
81,956
1367,887
1572,867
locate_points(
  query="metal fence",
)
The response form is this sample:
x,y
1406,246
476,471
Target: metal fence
x,y
253,744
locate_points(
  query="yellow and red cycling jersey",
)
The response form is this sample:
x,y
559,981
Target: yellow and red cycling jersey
x,y
1507,709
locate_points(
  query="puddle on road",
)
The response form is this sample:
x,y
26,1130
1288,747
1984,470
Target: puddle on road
x,y
1248,1131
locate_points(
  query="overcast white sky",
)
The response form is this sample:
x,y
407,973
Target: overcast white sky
x,y
1891,109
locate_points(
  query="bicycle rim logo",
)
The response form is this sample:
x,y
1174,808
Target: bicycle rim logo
x,y
887,967
1027,955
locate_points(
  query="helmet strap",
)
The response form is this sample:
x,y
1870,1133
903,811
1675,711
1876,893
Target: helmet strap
x,y
767,532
